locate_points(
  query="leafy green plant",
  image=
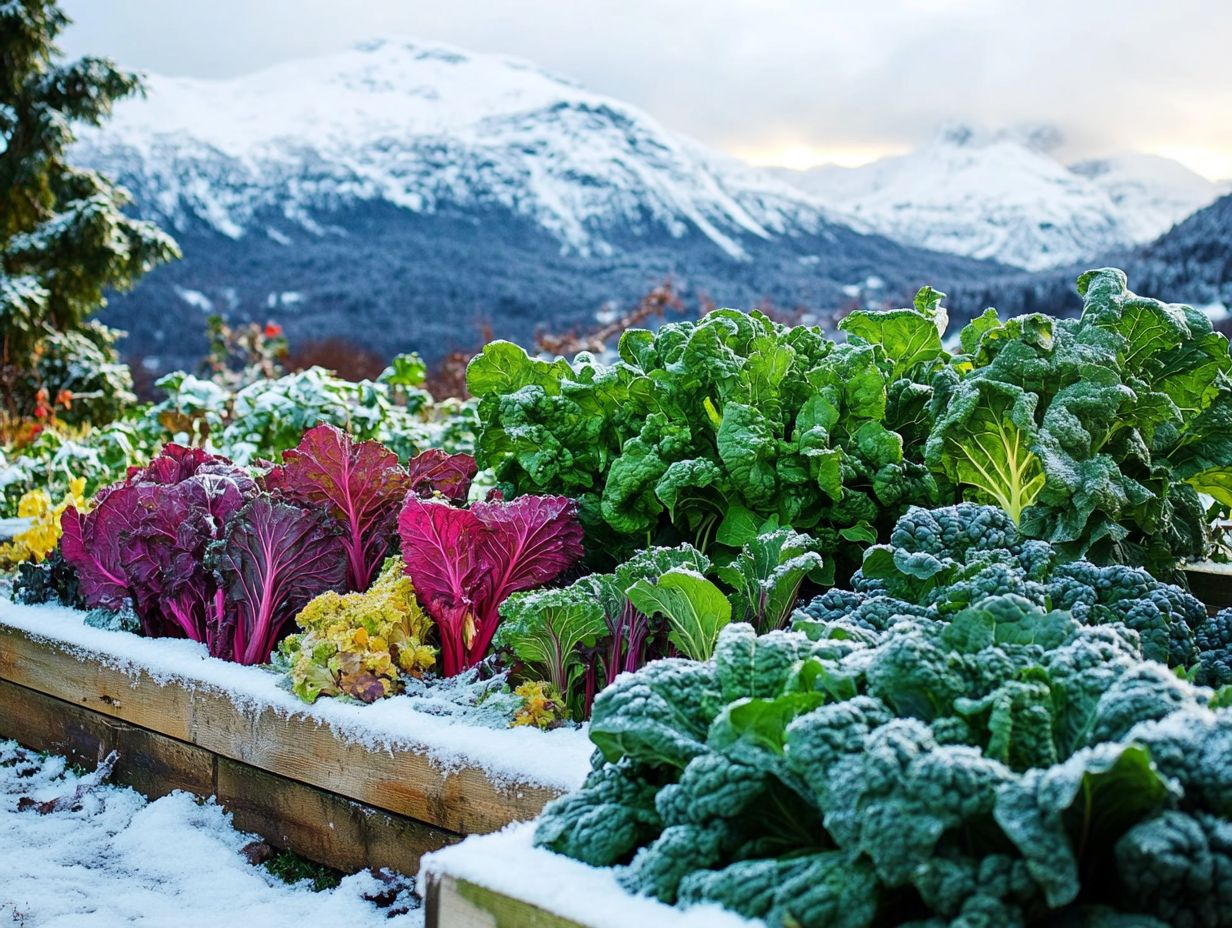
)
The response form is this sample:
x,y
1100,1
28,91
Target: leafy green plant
x,y
989,758
767,575
581,637
696,610
1097,434
547,630
710,432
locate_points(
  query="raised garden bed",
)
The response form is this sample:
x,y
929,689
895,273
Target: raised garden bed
x,y
348,785
1211,583
504,880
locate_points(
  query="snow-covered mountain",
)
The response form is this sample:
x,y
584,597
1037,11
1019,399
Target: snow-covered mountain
x,y
427,127
401,189
1151,193
1003,195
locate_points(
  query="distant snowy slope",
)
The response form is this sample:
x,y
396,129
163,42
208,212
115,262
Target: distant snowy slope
x,y
425,127
1151,193
1004,196
408,194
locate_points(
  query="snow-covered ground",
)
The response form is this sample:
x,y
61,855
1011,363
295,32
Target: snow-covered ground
x,y
114,859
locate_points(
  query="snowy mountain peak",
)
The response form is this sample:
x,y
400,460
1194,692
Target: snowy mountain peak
x,y
1004,195
426,126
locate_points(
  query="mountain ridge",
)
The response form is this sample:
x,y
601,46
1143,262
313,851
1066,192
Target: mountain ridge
x,y
403,190
1002,195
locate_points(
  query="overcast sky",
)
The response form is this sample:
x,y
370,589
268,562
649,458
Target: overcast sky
x,y
789,82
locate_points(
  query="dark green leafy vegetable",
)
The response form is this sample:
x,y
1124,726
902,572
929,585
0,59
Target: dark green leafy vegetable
x,y
1096,434
995,747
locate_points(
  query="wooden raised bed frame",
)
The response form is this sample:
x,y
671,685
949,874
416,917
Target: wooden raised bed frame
x,y
291,780
453,902
1211,583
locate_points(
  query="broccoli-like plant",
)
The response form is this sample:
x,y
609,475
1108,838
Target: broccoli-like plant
x,y
359,644
1001,746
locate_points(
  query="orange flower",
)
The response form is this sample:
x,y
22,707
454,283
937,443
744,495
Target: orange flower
x,y
65,398
41,408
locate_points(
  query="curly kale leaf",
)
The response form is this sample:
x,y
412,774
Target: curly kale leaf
x,y
1193,749
659,715
1213,642
1164,616
604,822
1060,816
1145,693
861,616
823,890
815,743
658,868
929,548
749,665
1079,673
996,889
897,800
1178,867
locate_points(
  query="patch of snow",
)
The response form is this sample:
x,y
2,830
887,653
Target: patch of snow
x,y
1004,195
508,862
557,759
11,528
285,299
195,298
422,125
176,862
1151,193
1216,312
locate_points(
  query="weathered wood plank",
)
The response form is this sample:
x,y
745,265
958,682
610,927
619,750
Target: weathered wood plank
x,y
456,903
319,825
1211,583
323,826
152,764
403,782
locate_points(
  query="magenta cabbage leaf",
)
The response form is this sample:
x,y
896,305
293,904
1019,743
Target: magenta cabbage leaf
x,y
274,558
465,562
438,473
360,484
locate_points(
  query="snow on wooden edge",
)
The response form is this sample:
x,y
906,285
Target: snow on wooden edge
x,y
507,862
557,759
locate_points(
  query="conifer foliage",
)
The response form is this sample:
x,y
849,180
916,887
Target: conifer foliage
x,y
64,240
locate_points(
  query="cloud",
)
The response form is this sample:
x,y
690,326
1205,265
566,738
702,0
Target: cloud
x,y
753,74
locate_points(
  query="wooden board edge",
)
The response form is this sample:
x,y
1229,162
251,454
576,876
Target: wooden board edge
x,y
322,826
1212,584
410,784
454,902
